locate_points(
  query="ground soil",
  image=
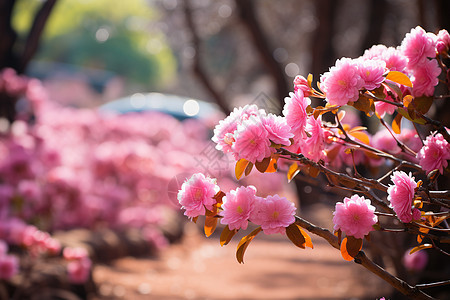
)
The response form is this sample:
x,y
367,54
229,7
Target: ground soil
x,y
199,268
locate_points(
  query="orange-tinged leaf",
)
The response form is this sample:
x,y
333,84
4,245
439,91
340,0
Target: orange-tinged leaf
x,y
357,128
210,225
263,165
350,247
393,88
309,79
241,165
399,77
308,241
248,169
420,247
293,171
195,219
407,100
219,196
420,237
406,114
226,235
396,124
360,136
296,236
243,244
423,104
272,168
364,104
313,171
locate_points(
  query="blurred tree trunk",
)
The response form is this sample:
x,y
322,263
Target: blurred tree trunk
x,y
248,17
377,16
11,54
323,53
7,35
197,66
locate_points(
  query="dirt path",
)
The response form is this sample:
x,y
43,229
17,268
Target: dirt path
x,y
198,268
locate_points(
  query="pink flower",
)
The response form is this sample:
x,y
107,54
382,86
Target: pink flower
x,y
301,83
382,108
9,266
374,52
415,262
443,41
371,71
384,141
355,216
252,141
278,129
425,78
417,46
434,154
295,112
342,83
312,147
79,270
401,195
224,131
74,253
237,206
394,59
197,193
274,214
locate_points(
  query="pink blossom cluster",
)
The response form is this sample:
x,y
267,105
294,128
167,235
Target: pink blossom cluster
x,y
434,154
419,47
401,195
416,56
240,206
249,132
9,264
77,168
15,231
355,216
79,265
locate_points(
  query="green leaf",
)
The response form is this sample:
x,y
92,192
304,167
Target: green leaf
x,y
399,77
227,235
243,244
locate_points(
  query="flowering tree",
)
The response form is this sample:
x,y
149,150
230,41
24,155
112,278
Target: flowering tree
x,y
389,85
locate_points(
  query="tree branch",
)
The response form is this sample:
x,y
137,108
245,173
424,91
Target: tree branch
x,y
35,33
198,69
248,18
362,259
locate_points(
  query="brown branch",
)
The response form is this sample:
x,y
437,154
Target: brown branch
x,y
362,259
35,34
247,14
344,179
198,69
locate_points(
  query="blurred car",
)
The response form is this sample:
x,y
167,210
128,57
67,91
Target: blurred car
x,y
177,106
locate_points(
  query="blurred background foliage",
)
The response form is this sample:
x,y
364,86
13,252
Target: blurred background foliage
x,y
230,52
115,37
